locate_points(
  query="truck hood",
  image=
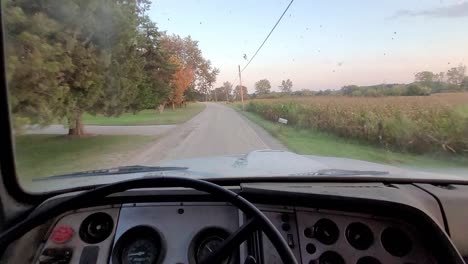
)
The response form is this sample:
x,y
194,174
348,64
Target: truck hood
x,y
259,163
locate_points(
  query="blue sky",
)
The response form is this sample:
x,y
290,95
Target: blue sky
x,y
323,44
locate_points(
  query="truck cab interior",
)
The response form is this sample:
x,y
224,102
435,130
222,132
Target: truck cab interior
x,y
357,216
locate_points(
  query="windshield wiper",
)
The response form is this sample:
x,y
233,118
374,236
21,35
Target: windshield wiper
x,y
114,171
336,172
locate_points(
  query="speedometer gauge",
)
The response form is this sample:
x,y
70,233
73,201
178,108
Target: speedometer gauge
x,y
206,242
140,251
139,245
207,246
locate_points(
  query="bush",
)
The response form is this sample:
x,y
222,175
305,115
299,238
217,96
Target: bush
x,y
417,89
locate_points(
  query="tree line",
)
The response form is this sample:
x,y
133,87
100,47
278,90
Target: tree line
x,y
425,83
67,58
226,92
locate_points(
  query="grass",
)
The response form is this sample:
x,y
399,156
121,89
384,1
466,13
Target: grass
x,y
45,155
147,117
308,142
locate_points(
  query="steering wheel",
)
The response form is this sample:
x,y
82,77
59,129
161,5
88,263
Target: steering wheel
x,y
257,220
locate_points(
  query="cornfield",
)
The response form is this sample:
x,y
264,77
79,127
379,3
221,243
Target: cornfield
x,y
418,124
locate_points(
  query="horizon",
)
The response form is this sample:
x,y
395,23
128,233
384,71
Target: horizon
x,y
323,45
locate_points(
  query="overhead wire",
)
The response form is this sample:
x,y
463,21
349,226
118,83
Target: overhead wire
x,y
264,41
271,31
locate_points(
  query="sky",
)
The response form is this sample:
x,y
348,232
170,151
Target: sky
x,y
322,44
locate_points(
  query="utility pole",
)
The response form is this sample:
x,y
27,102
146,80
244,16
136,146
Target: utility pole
x,y
241,90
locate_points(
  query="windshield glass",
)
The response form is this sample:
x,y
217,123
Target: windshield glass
x,y
101,91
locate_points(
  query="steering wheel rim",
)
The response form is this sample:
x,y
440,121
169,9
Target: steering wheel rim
x,y
81,199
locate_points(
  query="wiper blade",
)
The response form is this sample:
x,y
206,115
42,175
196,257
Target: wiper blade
x,y
114,171
335,172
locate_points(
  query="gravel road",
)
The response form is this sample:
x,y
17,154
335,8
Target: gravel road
x,y
218,130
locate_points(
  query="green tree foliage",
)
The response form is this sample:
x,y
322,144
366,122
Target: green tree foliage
x,y
286,86
36,62
187,51
456,75
425,77
464,84
226,91
262,87
66,58
237,92
417,89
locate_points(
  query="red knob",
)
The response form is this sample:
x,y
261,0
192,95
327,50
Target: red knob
x,y
61,234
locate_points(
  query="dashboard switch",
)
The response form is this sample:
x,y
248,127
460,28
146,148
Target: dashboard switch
x,y
56,255
308,233
290,239
61,234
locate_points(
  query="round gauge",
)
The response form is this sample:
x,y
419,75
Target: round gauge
x,y
208,246
331,257
396,242
140,251
206,242
359,235
139,245
368,260
96,228
326,231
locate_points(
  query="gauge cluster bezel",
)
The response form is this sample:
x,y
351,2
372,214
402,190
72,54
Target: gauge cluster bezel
x,y
139,233
201,237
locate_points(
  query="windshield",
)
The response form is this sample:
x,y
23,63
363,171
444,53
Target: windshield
x,y
130,88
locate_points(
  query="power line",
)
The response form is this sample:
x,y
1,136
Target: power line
x,y
277,22
263,43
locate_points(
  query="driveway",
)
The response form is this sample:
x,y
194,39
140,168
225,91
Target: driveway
x,y
105,130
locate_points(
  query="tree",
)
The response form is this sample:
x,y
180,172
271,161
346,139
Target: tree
x,y
182,80
464,84
67,58
262,87
158,69
425,76
227,90
286,86
188,52
350,90
237,92
87,65
35,64
456,75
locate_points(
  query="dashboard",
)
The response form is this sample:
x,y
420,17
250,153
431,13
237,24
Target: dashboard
x,y
187,232
183,226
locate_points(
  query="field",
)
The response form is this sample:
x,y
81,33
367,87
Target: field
x,y
413,124
147,117
312,142
46,155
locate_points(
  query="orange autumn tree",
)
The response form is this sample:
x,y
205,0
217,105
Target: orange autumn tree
x,y
181,81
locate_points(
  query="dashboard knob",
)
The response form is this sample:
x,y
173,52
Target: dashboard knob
x,y
96,228
359,235
331,257
326,231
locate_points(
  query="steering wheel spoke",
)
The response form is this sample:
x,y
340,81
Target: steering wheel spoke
x,y
233,241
